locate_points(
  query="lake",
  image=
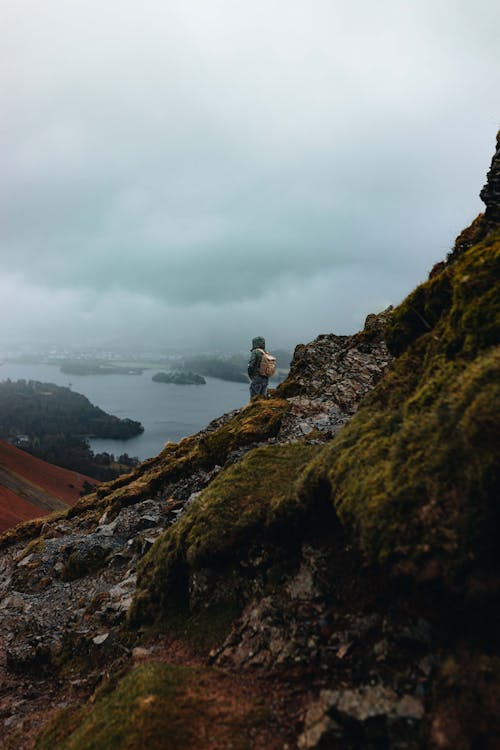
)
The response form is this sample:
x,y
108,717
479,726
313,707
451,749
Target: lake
x,y
168,412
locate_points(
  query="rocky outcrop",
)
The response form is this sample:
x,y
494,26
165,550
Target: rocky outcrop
x,y
329,378
484,223
490,194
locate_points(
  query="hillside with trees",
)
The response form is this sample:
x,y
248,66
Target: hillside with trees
x,y
54,423
215,367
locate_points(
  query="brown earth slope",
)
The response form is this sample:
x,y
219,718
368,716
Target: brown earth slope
x,y
31,488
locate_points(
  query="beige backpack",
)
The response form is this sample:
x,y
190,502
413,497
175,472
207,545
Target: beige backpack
x,y
267,366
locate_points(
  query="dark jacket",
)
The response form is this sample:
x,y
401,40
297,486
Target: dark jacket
x,y
256,356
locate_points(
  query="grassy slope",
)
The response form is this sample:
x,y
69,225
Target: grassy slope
x,y
63,483
256,422
31,488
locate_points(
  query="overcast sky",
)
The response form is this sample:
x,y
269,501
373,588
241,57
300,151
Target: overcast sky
x,y
198,172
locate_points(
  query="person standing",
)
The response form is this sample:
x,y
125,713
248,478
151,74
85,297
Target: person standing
x,y
261,366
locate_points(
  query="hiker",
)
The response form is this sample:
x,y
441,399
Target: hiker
x,y
261,367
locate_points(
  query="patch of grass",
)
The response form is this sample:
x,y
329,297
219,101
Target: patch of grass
x,y
61,727
205,629
146,709
28,529
36,546
156,706
253,502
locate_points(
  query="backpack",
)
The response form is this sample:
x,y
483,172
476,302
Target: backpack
x,y
267,366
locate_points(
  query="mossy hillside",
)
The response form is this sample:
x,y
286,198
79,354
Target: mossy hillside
x,y
463,299
154,706
254,423
419,312
257,422
253,503
415,472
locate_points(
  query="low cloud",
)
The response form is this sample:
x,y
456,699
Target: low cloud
x,y
199,170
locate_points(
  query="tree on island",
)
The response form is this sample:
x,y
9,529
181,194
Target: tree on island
x,y
218,368
179,378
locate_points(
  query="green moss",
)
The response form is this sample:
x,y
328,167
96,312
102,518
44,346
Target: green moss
x,y
147,709
28,529
205,629
414,474
256,422
156,706
253,502
463,297
61,727
419,312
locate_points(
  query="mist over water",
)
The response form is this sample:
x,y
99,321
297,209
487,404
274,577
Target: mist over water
x,y
168,412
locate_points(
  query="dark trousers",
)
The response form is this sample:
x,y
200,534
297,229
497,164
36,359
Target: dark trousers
x,y
258,385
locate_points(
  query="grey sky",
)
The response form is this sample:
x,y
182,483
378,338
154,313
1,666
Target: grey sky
x,y
199,171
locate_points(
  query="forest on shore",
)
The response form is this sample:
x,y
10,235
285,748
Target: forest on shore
x,y
54,423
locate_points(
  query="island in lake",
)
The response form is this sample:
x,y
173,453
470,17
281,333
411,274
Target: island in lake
x,y
179,378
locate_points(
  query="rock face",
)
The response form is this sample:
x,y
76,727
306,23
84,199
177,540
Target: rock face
x,y
329,378
489,221
490,194
318,569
